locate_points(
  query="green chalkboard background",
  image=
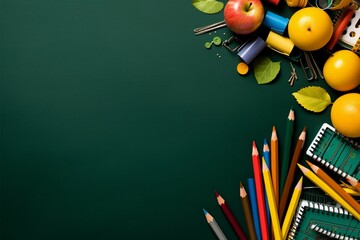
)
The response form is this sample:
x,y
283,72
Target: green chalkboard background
x,y
117,123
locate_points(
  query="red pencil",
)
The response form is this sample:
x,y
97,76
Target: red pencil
x,y
259,188
226,210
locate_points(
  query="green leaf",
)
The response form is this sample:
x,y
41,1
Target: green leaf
x,y
208,6
265,70
312,98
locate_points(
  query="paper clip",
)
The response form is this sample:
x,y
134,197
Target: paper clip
x,y
311,69
209,28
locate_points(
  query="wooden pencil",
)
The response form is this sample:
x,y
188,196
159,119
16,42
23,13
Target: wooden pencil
x,y
247,212
334,195
274,156
271,200
335,186
214,226
291,208
230,216
266,152
260,193
291,173
254,206
266,157
352,192
353,182
287,149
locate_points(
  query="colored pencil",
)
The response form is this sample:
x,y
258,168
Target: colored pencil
x,y
352,192
260,192
266,152
321,184
335,186
266,157
274,152
353,182
271,199
287,149
247,212
291,174
291,208
253,204
230,216
214,226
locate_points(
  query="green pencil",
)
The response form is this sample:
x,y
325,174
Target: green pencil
x,y
287,148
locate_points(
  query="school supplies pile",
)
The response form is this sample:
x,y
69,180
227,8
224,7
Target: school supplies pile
x,y
278,205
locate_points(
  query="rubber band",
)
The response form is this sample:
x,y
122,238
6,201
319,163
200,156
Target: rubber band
x,y
320,4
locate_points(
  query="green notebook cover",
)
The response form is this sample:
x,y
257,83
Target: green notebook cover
x,y
316,220
336,152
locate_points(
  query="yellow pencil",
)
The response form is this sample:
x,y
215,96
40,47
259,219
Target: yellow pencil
x,y
335,186
275,223
292,208
352,192
321,184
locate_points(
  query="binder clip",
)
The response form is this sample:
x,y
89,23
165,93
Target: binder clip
x,y
234,43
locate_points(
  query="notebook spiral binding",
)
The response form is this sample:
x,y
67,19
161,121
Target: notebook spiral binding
x,y
306,206
330,233
317,151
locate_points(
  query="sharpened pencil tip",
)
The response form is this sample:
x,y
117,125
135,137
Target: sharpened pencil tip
x,y
217,194
205,212
302,168
313,166
309,163
254,149
299,184
264,166
291,115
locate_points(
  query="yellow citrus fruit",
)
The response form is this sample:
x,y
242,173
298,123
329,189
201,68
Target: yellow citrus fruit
x,y
345,115
342,70
310,28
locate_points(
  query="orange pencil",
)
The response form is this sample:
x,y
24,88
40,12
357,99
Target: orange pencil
x,y
353,182
259,188
335,186
274,164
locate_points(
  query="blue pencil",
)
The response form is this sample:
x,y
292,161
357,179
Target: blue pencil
x,y
253,204
266,155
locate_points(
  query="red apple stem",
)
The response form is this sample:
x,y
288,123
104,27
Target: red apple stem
x,y
249,6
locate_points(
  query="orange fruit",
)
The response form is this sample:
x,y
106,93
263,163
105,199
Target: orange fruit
x,y
345,115
242,68
310,28
342,70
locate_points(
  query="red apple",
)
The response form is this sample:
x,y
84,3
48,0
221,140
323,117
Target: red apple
x,y
243,16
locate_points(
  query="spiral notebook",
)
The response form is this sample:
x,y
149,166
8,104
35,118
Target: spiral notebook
x,y
336,152
315,220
